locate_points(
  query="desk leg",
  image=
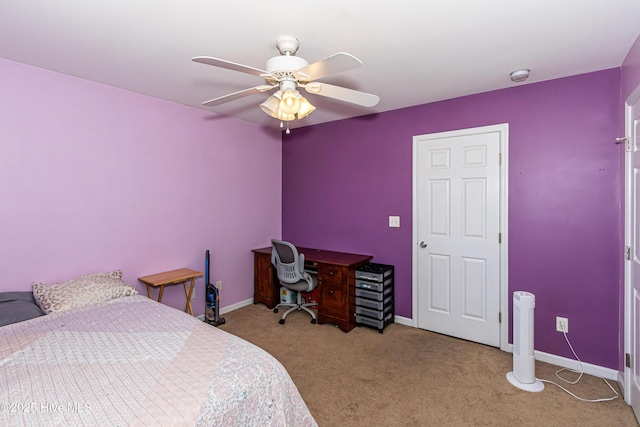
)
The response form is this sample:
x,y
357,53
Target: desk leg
x,y
188,308
149,291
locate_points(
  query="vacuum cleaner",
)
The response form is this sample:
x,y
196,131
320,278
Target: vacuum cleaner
x,y
212,300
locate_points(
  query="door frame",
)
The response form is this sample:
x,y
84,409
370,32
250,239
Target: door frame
x,y
503,131
628,231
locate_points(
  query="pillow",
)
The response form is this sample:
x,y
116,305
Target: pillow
x,y
17,307
85,290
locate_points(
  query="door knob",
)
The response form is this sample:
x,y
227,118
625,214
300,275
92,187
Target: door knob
x,y
423,245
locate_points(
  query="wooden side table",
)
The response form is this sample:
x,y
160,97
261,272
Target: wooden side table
x,y
173,277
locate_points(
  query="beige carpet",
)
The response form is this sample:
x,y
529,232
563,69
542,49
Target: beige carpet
x,y
411,377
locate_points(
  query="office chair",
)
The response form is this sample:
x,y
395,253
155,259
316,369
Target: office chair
x,y
289,266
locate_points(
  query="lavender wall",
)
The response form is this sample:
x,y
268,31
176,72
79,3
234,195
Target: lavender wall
x,y
342,180
94,178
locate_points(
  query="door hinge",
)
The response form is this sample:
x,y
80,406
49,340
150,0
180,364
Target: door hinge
x,y
499,237
500,158
627,253
499,317
627,360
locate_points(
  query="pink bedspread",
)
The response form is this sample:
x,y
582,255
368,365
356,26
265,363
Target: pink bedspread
x,y
132,361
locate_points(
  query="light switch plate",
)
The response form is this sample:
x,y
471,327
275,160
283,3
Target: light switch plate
x,y
394,221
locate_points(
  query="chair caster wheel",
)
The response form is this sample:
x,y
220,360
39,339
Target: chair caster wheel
x,y
275,310
313,321
281,321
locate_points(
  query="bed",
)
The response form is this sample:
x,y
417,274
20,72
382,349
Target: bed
x,y
129,361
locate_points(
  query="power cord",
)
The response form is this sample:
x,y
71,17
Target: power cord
x,y
581,372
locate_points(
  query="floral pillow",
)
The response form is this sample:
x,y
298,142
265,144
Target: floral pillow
x,y
85,290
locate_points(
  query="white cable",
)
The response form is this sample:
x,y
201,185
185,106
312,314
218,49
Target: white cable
x,y
580,371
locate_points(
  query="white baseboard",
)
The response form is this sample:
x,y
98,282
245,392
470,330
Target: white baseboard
x,y
595,370
564,362
231,307
404,321
236,306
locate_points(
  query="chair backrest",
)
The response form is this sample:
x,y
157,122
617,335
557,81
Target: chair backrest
x,y
289,264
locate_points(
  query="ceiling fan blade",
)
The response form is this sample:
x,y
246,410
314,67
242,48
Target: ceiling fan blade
x,y
333,64
216,62
342,94
237,95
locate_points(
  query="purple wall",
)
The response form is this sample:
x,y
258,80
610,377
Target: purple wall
x,y
342,180
94,178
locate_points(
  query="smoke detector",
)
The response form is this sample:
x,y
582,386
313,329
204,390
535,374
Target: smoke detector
x,y
519,75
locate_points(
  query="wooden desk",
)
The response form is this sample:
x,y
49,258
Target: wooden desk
x,y
336,283
173,277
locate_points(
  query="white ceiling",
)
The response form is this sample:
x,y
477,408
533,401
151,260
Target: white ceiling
x,y
414,52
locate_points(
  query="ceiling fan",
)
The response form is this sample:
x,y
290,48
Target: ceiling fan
x,y
288,72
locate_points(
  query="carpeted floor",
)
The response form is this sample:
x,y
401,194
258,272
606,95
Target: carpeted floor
x,y
411,377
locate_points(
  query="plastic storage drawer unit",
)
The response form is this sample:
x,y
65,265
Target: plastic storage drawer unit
x,y
374,296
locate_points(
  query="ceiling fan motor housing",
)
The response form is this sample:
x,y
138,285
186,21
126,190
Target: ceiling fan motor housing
x,y
280,65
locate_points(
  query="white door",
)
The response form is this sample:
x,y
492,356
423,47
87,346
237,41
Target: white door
x,y
632,266
457,203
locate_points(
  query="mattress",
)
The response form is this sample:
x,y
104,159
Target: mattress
x,y
132,361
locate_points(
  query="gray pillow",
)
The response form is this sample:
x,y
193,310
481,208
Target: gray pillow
x,y
17,306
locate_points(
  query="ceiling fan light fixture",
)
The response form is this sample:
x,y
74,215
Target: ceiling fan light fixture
x,y
271,105
285,117
290,102
305,108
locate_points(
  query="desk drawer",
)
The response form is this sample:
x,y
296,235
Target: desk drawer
x,y
333,300
331,273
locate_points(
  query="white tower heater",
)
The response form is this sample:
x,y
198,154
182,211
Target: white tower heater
x,y
523,375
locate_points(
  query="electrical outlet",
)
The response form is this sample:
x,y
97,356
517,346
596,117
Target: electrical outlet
x,y
193,293
219,285
562,324
394,221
